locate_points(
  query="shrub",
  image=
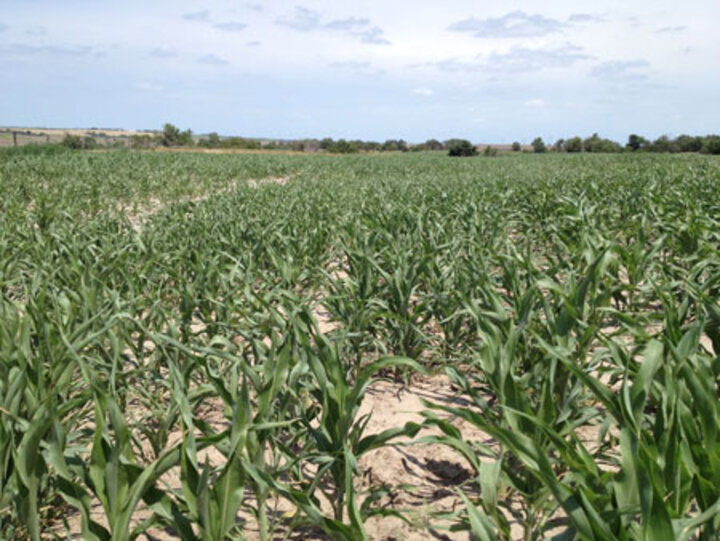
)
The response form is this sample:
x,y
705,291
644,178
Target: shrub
x,y
538,145
711,144
574,144
636,142
76,142
342,146
461,147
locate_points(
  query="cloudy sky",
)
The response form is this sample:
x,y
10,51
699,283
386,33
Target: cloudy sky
x,y
487,71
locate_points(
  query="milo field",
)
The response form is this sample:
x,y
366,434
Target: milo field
x,y
363,347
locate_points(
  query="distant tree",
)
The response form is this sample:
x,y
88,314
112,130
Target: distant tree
x,y
298,145
595,143
372,146
241,143
170,135
461,147
341,146
185,139
395,145
592,143
538,145
211,141
559,145
433,144
490,152
77,142
636,142
141,141
688,143
664,144
312,145
516,147
326,143
574,144
711,144
72,141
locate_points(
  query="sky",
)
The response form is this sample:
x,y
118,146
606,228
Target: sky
x,y
488,71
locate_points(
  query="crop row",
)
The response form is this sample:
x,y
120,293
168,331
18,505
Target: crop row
x,y
161,358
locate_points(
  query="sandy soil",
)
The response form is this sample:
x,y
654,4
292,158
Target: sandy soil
x,y
422,478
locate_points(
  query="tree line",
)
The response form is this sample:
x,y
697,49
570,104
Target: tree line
x,y
707,144
172,136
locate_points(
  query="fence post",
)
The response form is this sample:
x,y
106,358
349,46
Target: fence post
x,y
14,138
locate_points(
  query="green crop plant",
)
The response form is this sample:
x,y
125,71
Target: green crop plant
x,y
186,341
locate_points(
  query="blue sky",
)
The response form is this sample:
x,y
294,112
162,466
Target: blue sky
x,y
486,71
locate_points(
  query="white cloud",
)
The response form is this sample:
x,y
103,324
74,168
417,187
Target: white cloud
x,y
535,103
213,60
671,29
374,35
516,24
426,92
581,18
34,31
351,23
308,20
518,59
31,49
351,64
301,20
164,52
147,87
201,16
230,26
622,71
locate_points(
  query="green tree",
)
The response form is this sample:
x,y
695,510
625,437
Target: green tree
x,y
664,144
538,145
433,144
490,152
595,143
574,144
185,139
211,141
636,142
76,142
711,145
516,146
240,142
170,135
461,147
395,145
141,141
688,143
341,146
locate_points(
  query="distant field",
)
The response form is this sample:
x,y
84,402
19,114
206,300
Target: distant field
x,y
60,132
49,135
398,346
6,139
